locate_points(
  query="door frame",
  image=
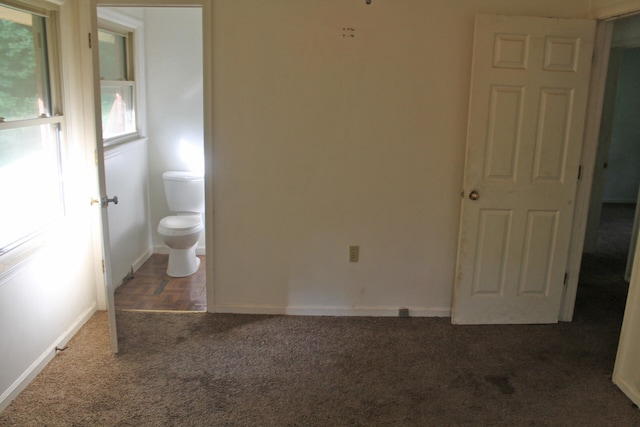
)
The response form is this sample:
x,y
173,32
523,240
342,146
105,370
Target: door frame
x,y
206,8
604,32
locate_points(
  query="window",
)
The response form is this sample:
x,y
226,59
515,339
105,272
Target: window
x,y
30,126
117,85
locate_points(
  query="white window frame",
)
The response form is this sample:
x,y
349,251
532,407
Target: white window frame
x,y
20,251
112,20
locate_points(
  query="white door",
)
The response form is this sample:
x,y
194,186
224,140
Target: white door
x,y
634,241
528,99
626,373
105,200
106,252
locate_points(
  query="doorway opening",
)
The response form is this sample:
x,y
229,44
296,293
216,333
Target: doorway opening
x,y
603,288
612,224
167,51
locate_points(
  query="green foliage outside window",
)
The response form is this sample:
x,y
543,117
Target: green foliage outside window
x,y
19,92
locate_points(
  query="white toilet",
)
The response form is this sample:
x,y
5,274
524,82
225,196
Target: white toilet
x,y
184,192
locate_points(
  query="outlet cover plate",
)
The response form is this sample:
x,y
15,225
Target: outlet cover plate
x,y
354,253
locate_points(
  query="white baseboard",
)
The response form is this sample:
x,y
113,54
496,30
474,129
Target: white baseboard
x,y
164,250
135,266
141,260
630,390
331,311
38,365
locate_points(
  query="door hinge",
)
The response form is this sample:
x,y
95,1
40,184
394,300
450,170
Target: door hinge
x,y
579,172
103,270
89,40
566,276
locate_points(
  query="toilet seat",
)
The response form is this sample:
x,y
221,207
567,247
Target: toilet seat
x,y
180,225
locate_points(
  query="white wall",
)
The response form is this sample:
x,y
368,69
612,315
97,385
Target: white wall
x,y
174,101
44,302
126,173
323,140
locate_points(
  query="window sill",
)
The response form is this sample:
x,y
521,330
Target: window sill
x,y
15,260
123,139
123,146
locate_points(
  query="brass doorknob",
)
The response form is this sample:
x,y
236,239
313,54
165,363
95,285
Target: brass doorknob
x,y
474,195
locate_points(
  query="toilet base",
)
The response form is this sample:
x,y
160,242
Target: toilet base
x,y
183,262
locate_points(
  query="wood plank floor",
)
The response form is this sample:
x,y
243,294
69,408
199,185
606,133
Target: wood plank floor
x,y
152,289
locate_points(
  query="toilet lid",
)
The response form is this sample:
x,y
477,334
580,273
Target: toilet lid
x,y
180,225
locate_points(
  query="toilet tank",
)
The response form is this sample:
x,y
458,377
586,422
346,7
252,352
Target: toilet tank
x,y
184,191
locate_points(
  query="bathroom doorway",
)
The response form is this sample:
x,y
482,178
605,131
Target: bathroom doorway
x,y
166,50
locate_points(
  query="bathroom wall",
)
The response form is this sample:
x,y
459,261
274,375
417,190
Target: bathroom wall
x,y
173,52
126,173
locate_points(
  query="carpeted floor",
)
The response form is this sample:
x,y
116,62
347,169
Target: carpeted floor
x,y
240,370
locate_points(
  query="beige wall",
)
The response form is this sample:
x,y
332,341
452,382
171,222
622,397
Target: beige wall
x,y
323,140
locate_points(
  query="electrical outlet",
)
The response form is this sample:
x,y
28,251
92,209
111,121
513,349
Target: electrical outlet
x,y
354,253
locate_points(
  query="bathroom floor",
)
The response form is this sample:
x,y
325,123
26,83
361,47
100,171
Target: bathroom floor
x,y
151,288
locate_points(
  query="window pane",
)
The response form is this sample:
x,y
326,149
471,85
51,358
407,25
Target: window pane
x,y
29,181
118,115
24,89
113,56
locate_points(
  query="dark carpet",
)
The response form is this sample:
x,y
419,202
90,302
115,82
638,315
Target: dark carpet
x,y
242,370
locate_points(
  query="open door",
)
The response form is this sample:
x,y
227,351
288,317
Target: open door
x,y
529,89
634,241
104,199
106,254
626,373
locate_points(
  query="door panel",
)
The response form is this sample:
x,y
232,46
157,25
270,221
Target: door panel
x,y
492,247
106,246
538,254
528,99
505,124
553,133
